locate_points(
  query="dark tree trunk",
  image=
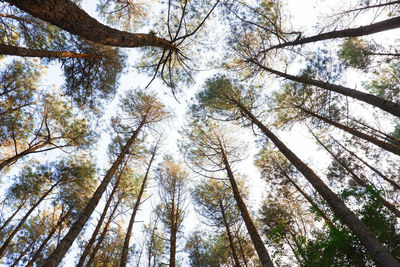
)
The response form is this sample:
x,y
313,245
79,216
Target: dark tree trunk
x,y
13,159
27,52
229,233
48,238
68,16
378,252
21,223
13,215
103,233
387,146
55,258
124,255
385,25
262,252
101,220
386,105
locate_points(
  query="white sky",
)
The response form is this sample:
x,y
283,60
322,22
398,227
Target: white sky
x,y
303,15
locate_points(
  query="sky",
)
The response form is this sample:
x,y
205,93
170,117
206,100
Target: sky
x,y
296,138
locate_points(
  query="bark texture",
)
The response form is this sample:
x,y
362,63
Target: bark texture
x,y
68,16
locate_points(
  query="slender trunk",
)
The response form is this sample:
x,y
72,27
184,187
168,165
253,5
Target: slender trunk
x,y
378,252
48,238
356,178
55,258
230,237
68,16
21,223
172,238
245,260
308,198
13,215
387,179
103,233
385,25
101,220
251,228
386,105
18,156
124,255
27,52
24,253
387,146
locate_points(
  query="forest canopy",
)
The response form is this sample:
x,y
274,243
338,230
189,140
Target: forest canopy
x,y
199,133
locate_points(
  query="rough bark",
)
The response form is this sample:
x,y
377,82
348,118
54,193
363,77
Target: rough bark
x,y
378,252
55,258
101,220
27,52
68,16
385,25
124,254
262,252
230,237
386,105
26,216
387,146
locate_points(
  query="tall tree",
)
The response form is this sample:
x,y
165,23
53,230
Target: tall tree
x,y
172,180
210,148
141,110
221,93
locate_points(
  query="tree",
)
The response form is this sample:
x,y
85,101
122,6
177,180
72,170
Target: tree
x,y
172,180
221,91
124,254
141,110
210,149
213,202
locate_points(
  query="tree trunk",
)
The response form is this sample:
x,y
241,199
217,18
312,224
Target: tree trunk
x,y
21,223
101,220
251,228
387,179
308,198
357,179
386,105
13,215
378,252
18,156
24,253
27,52
49,236
387,146
230,237
103,233
124,255
385,25
55,258
68,16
